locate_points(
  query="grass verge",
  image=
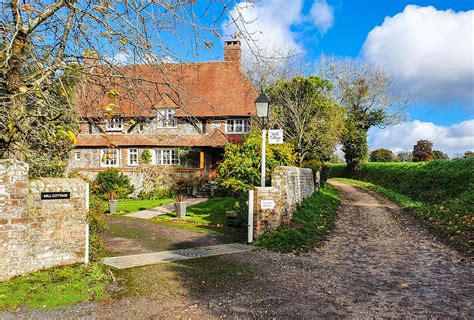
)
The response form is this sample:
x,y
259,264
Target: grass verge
x,y
55,288
313,219
452,219
134,205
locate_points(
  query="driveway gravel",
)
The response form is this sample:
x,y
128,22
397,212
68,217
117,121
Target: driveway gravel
x,y
378,263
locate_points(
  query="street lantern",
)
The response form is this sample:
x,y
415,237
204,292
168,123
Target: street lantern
x,y
262,104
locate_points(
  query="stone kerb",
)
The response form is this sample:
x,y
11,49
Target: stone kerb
x,y
34,233
290,185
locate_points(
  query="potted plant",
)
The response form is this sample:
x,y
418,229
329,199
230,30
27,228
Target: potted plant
x,y
113,199
180,206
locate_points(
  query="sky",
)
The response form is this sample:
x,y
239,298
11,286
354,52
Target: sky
x,y
428,46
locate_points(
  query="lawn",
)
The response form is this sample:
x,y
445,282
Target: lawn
x,y
211,212
134,205
55,288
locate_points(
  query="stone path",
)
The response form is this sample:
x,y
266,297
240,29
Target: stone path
x,y
164,209
125,262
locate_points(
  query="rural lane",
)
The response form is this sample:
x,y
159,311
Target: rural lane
x,y
378,262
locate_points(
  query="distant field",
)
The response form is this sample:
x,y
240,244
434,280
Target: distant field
x,y
445,190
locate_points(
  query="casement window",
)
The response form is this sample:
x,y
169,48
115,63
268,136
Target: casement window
x,y
166,156
114,124
166,118
238,126
77,156
133,157
109,157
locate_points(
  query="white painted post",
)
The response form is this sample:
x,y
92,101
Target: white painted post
x,y
250,218
264,140
86,252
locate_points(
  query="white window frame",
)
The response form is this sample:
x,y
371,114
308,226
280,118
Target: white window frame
x,y
77,156
171,160
132,152
110,165
114,124
166,118
231,126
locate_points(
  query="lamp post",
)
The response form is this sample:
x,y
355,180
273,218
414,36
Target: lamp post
x,y
262,105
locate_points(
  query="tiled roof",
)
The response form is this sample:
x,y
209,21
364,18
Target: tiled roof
x,y
208,89
213,139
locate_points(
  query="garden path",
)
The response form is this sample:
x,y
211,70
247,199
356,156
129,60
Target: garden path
x,y
164,209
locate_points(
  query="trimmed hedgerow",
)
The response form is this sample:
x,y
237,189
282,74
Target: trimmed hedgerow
x,y
312,222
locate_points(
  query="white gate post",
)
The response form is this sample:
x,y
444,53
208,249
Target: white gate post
x,y
250,218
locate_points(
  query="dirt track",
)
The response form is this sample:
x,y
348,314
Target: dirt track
x,y
377,263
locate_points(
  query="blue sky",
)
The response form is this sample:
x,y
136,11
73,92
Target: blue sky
x,y
427,45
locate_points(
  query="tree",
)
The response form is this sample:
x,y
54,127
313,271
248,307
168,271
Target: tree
x,y
468,154
439,155
381,155
404,156
423,151
368,93
311,120
240,169
42,40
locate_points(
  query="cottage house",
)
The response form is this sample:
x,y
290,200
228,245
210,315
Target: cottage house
x,y
183,114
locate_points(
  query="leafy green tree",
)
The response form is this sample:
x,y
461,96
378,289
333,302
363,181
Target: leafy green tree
x,y
468,154
423,151
439,155
381,155
311,120
240,169
404,156
354,145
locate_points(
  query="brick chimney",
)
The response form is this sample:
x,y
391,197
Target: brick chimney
x,y
232,51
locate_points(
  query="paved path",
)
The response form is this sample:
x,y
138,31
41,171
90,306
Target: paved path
x,y
125,262
164,209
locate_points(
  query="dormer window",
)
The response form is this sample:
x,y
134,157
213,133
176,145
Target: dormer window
x,y
166,118
114,124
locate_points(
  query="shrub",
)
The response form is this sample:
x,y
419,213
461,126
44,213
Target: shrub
x,y
97,225
240,169
112,181
146,157
157,193
40,167
381,155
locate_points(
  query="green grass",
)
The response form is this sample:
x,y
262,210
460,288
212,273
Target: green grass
x,y
134,205
55,288
210,212
452,219
313,219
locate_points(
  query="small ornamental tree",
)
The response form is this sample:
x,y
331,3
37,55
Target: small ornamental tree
x,y
439,155
112,181
240,169
381,155
423,151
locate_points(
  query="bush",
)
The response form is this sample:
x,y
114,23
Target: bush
x,y
240,169
112,181
146,157
313,219
97,225
157,193
45,168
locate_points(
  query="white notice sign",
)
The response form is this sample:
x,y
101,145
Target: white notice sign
x,y
275,136
267,204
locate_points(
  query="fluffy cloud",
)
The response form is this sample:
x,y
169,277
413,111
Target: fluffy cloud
x,y
429,51
322,15
453,139
273,24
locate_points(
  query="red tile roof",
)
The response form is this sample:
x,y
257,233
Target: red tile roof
x,y
212,139
208,89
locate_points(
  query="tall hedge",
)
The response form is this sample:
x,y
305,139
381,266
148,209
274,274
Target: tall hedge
x,y
430,182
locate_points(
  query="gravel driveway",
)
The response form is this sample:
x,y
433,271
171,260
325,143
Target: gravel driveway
x,y
377,263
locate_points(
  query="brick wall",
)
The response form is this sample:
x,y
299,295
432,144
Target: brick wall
x,y
290,185
34,233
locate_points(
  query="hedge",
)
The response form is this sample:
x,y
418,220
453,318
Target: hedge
x,y
429,182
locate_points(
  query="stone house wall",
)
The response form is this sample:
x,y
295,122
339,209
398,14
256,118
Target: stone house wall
x,y
290,185
37,234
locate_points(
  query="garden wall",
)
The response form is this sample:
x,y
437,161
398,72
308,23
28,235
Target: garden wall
x,y
274,206
38,233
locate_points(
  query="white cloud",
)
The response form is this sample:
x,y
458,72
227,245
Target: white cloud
x,y
429,51
277,24
322,15
453,139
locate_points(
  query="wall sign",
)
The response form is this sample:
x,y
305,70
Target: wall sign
x,y
267,204
55,195
275,136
